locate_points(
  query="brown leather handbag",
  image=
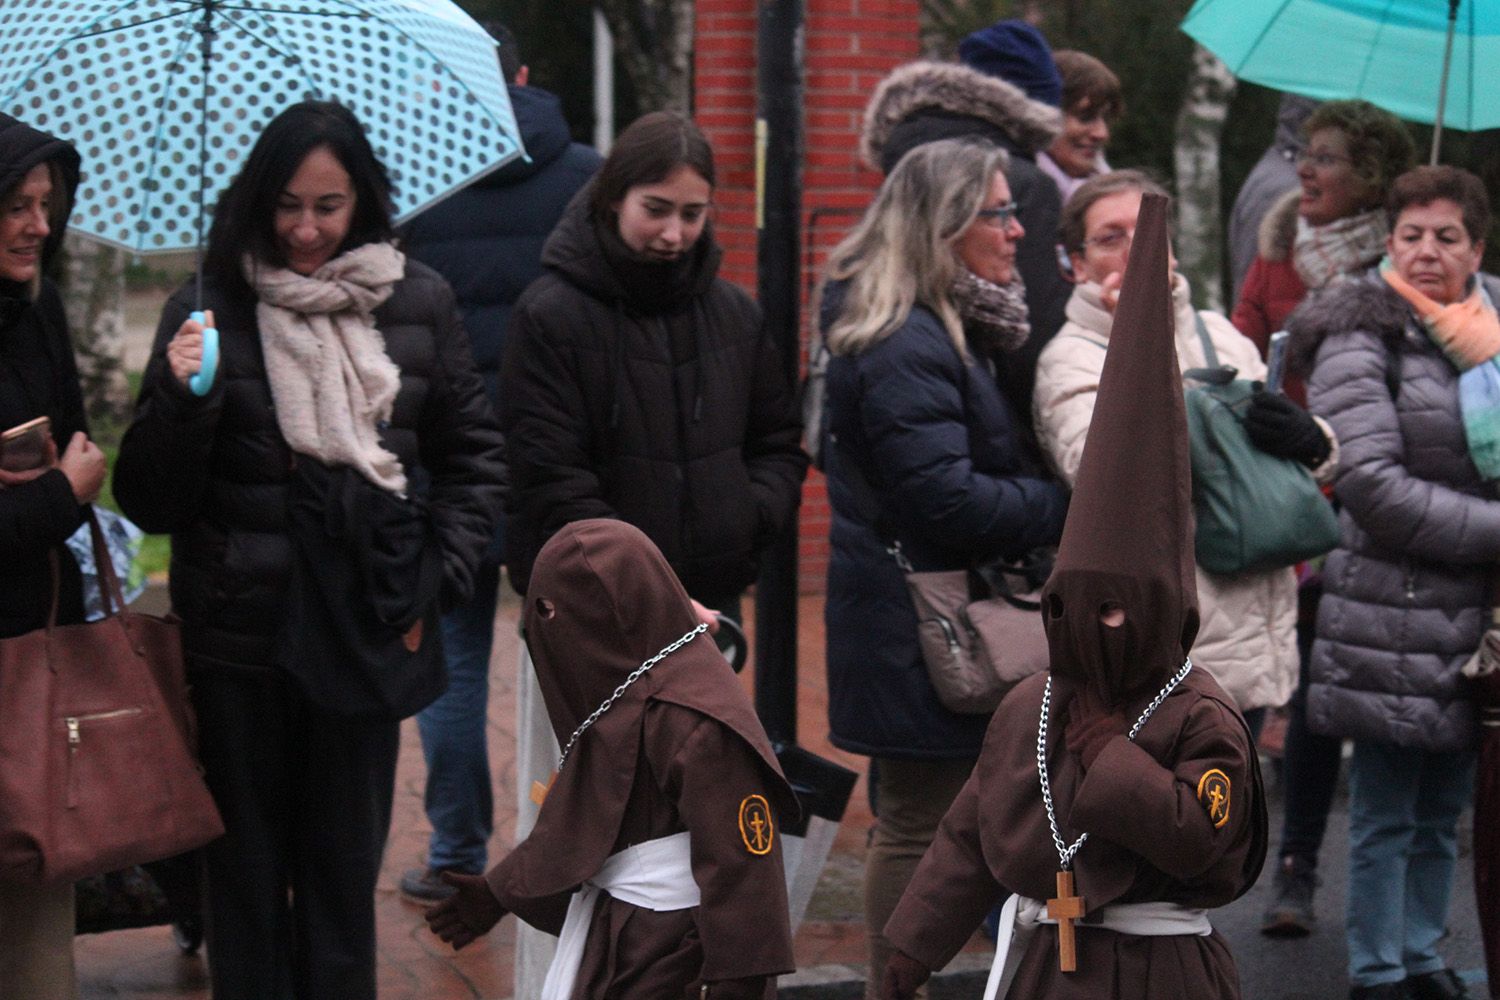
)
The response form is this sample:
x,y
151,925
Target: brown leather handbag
x,y
97,770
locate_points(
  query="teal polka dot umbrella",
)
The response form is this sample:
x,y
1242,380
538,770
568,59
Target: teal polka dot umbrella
x,y
164,98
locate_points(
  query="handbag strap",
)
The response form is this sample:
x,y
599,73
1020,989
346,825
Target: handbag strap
x,y
110,591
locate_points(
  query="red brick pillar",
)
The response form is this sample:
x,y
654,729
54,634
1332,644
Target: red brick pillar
x,y
850,46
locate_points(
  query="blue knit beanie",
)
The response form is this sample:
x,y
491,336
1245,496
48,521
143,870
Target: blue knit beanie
x,y
1017,53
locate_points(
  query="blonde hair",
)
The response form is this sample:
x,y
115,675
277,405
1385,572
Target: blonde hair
x,y
903,251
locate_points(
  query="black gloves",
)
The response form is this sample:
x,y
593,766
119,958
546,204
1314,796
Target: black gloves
x,y
1278,426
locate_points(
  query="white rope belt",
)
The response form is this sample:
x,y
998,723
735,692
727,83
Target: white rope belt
x,y
1144,919
656,875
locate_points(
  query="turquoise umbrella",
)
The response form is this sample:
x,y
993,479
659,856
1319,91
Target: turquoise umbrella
x,y
1422,60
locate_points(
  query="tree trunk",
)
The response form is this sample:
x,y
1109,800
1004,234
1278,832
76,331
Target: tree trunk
x,y
1200,123
654,44
94,297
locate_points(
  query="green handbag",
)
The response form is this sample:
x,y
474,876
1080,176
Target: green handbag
x,y
1254,511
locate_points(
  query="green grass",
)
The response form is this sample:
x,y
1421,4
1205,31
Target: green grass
x,y
156,550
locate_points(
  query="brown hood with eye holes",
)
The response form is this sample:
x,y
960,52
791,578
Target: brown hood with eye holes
x,y
601,601
1128,539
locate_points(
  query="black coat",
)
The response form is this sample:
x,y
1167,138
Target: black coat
x,y
215,471
670,411
951,479
38,377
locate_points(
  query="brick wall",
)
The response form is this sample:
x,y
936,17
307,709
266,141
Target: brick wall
x,y
850,46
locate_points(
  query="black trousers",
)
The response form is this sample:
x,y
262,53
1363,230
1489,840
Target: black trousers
x,y
306,800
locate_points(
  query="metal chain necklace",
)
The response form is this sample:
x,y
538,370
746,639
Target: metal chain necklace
x,y
1065,853
635,675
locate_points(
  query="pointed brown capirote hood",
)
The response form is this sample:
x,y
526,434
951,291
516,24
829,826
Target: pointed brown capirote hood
x,y
1128,540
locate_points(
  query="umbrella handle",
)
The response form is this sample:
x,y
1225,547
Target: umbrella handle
x,y
202,380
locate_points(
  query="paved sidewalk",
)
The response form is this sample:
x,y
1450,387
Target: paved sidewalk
x,y
145,964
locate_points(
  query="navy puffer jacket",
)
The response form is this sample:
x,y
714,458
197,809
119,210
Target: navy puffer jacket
x,y
1407,593
943,454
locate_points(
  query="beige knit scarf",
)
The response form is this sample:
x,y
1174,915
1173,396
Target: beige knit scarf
x,y
330,377
1323,254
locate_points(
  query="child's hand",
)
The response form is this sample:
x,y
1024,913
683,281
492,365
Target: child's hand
x,y
468,913
1091,725
903,976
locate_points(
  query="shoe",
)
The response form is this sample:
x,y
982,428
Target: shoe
x,y
1385,991
425,885
1290,915
1443,984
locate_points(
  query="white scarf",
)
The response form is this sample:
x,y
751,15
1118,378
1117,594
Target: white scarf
x,y
1323,254
331,380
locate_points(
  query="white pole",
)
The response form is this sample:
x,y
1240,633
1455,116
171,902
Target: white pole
x,y
604,84
1437,124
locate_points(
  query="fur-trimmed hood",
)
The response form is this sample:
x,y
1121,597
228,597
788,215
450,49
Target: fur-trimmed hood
x,y
1278,227
952,90
1363,303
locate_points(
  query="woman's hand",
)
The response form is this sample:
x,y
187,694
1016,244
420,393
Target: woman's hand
x,y
1109,291
27,475
468,913
185,352
1278,426
84,465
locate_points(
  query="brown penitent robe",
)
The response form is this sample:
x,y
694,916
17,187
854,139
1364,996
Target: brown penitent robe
x,y
1150,838
680,750
1178,815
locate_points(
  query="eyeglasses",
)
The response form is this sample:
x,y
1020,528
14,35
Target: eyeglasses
x,y
1111,240
1322,161
1001,215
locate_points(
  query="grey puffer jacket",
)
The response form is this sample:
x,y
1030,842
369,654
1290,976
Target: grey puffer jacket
x,y
1407,593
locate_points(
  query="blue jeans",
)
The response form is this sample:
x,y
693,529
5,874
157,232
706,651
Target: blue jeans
x,y
459,802
1404,806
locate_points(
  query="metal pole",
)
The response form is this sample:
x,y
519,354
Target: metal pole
x,y
778,216
206,29
1437,125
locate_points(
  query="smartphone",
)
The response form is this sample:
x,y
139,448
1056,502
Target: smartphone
x,y
24,446
1276,360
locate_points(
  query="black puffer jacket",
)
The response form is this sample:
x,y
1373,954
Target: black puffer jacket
x,y
214,471
38,377
667,408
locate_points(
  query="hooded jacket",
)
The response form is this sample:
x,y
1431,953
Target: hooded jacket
x,y
38,377
1247,637
656,398
924,101
1407,593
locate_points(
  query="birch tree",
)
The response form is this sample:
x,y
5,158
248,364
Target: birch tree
x,y
94,298
1200,225
654,45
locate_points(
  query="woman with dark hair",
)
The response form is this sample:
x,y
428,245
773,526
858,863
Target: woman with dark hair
x,y
344,387
1092,100
640,385
41,505
1407,594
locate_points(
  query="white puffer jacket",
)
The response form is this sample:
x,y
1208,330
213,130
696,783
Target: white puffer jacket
x,y
1247,636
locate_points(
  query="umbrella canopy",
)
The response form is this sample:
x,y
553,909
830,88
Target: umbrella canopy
x,y
158,94
1391,53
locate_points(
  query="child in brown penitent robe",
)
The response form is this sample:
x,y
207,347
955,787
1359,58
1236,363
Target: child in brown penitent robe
x,y
657,853
1117,797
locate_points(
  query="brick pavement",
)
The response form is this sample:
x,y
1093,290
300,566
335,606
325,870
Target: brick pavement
x,y
145,965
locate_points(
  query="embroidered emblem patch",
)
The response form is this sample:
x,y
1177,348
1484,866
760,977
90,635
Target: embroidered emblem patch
x,y
755,824
1213,792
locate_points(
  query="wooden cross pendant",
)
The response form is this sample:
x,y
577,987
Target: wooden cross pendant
x,y
1065,909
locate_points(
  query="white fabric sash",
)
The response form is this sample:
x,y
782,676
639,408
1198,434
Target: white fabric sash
x,y
656,875
1021,915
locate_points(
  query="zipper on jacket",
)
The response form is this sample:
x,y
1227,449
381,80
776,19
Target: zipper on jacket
x,y
1411,579
75,740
